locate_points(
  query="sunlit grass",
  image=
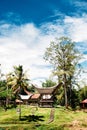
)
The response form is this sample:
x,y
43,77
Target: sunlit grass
x,y
35,118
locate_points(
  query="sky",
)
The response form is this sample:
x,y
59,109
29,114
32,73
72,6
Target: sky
x,y
28,26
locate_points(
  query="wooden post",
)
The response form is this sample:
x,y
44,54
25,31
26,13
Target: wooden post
x,y
19,111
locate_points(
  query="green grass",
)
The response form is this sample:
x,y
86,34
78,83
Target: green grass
x,y
37,119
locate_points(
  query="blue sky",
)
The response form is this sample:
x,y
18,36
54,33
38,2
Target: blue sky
x,y
28,26
37,11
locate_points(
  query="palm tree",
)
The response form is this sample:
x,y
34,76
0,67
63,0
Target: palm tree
x,y
17,79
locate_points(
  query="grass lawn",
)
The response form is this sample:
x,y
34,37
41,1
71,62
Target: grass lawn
x,y
34,118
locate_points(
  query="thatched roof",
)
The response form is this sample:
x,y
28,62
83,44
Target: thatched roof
x,y
50,90
35,96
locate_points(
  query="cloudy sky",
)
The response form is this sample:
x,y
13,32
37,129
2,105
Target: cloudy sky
x,y
28,26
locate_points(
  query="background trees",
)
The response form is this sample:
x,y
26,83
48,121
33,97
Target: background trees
x,y
3,89
64,58
83,93
48,83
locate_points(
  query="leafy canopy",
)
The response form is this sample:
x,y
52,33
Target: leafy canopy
x,y
63,55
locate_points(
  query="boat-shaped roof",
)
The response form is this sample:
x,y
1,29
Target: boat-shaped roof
x,y
49,90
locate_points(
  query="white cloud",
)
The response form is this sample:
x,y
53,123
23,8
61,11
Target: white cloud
x,y
81,4
77,27
26,44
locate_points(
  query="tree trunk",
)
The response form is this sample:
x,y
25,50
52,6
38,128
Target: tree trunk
x,y
66,100
65,92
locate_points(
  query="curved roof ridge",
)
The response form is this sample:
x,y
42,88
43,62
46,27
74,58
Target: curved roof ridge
x,y
48,90
36,86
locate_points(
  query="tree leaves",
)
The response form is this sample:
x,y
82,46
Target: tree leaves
x,y
17,79
64,57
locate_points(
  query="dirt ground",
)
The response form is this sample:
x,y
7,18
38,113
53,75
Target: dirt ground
x,y
78,125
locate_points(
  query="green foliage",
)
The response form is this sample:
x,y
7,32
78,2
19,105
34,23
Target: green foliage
x,y
64,57
2,85
73,98
17,80
48,83
31,88
59,98
3,89
83,93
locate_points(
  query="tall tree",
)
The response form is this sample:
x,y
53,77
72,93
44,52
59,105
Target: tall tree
x,y
64,57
